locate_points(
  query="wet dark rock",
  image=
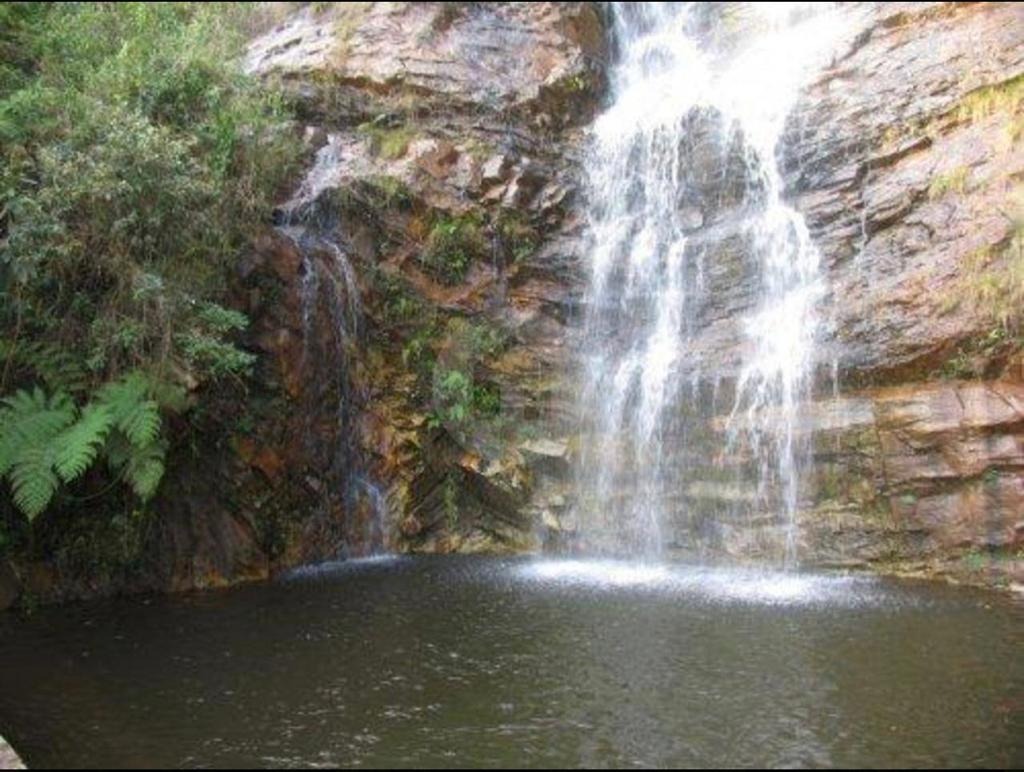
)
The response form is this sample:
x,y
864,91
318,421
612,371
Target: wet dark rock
x,y
10,589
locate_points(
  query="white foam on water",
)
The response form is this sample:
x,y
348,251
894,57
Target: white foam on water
x,y
738,585
601,572
329,567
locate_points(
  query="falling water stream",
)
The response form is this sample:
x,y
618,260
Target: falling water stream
x,y
329,292
684,70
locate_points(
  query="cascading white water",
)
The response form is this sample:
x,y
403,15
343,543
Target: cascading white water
x,y
682,70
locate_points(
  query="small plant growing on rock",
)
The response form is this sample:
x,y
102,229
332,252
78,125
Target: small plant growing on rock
x,y
986,101
398,303
992,281
387,142
389,192
952,181
460,400
418,353
461,394
518,237
973,357
576,83
452,245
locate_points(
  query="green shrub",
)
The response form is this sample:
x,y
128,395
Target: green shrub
x,y
461,395
389,192
136,162
418,352
453,393
398,304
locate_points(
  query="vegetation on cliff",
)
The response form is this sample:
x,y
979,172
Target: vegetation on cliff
x,y
136,163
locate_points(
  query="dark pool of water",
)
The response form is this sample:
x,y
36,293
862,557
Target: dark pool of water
x,y
473,662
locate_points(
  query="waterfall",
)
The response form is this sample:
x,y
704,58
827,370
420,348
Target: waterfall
x,y
700,94
332,319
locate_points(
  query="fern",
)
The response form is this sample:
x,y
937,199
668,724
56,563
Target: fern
x,y
122,397
33,480
145,469
50,363
30,420
45,440
170,396
78,446
29,424
133,412
137,417
142,468
142,425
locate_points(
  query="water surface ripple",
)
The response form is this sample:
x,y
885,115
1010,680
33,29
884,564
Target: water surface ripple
x,y
407,662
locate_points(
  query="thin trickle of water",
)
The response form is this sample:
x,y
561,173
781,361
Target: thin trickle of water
x,y
687,71
329,289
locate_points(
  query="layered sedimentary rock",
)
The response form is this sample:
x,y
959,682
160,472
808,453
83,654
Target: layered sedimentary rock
x,y
450,168
906,159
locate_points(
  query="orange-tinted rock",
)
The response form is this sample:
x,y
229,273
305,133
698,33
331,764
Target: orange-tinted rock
x,y
913,477
944,467
437,158
464,53
903,182
269,463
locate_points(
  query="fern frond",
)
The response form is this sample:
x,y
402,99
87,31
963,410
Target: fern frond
x,y
76,448
170,396
31,420
145,469
45,439
123,396
131,409
142,425
46,362
118,451
57,368
33,480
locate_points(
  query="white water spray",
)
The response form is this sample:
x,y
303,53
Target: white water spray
x,y
730,76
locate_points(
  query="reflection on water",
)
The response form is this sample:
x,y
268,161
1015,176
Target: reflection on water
x,y
479,661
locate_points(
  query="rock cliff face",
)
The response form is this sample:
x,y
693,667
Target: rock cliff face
x,y
906,159
904,156
415,307
446,173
